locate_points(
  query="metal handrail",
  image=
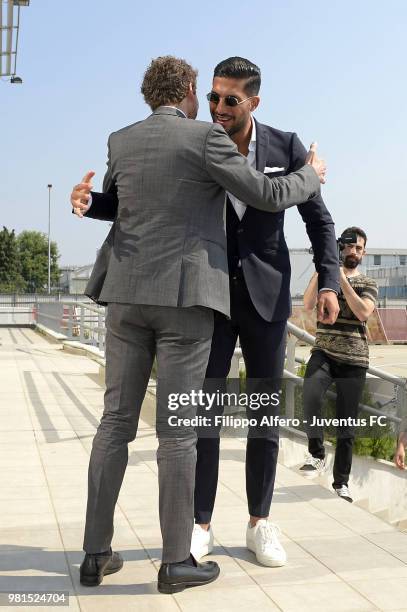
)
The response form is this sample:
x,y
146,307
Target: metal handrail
x,y
79,323
301,334
310,339
289,373
88,306
82,320
300,381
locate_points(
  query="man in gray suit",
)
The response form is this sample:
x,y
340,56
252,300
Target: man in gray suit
x,y
163,271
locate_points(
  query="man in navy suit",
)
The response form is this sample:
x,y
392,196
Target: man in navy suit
x,y
259,274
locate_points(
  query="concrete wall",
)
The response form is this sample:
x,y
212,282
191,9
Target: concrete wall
x,y
376,485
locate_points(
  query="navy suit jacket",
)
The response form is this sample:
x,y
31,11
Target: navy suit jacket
x,y
258,239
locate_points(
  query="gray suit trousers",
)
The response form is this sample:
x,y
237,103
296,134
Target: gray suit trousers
x,y
180,338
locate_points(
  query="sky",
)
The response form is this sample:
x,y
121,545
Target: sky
x,y
334,72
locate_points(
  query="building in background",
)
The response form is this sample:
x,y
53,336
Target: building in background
x,y
392,282
73,279
385,258
387,266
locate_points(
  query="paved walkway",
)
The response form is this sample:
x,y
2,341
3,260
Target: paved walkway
x,y
340,556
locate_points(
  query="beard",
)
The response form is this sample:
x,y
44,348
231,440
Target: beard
x,y
351,262
233,129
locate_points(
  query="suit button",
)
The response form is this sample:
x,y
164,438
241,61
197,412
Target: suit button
x,y
240,230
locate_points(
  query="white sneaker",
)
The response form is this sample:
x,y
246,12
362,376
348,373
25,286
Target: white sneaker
x,y
344,493
262,539
313,467
201,542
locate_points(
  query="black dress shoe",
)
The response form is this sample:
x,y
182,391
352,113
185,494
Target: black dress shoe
x,y
175,577
94,567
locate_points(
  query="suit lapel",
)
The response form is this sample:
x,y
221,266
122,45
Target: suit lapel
x,y
262,143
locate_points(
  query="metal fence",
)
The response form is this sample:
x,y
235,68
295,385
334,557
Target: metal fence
x,y
395,391
80,321
16,299
22,309
86,323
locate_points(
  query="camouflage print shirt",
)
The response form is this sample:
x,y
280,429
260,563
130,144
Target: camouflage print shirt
x,y
346,340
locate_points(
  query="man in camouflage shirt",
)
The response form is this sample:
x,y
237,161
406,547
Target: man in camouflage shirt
x,y
340,355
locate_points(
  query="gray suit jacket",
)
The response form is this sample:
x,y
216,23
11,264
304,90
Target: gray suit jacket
x,y
167,246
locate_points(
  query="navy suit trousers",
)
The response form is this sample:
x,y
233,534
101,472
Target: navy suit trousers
x,y
263,347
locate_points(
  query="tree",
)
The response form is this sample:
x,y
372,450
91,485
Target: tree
x,y
33,259
10,278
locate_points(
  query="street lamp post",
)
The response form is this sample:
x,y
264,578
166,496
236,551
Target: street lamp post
x,y
49,238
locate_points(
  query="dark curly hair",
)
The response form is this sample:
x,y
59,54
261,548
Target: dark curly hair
x,y
166,81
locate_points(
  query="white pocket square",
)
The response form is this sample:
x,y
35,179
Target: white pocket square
x,y
273,169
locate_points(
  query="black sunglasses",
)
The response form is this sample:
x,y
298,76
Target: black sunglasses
x,y
214,97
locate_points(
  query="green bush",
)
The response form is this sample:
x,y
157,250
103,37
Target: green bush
x,y
379,441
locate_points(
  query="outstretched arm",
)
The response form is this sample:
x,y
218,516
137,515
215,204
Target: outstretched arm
x,y
92,204
320,227
95,205
232,171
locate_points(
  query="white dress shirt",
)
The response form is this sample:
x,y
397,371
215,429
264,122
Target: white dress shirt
x,y
238,205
